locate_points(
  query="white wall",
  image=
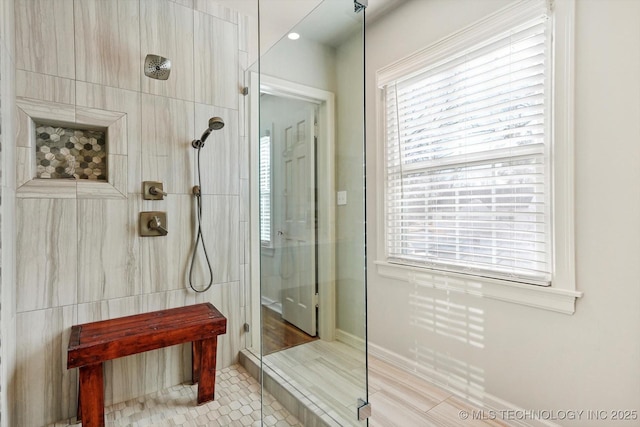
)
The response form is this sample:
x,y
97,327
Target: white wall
x,y
350,248
301,61
528,357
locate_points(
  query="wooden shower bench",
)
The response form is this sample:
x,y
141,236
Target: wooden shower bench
x,y
91,344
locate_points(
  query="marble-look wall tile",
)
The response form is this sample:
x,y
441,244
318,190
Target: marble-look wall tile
x,y
45,87
244,25
109,308
24,129
170,299
108,249
244,163
165,259
248,38
117,134
125,101
225,297
122,377
46,253
7,33
216,66
172,365
91,238
221,231
246,301
24,159
242,291
219,158
167,31
87,189
243,100
108,42
167,155
100,118
245,250
213,8
245,213
47,189
118,172
186,3
45,391
45,37
38,109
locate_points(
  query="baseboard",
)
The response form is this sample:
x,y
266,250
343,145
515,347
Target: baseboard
x,y
271,304
481,399
349,339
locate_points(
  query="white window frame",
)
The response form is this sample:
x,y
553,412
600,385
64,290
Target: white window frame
x,y
562,294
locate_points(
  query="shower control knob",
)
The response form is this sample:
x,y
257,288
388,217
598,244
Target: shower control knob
x,y
157,191
153,190
156,224
153,224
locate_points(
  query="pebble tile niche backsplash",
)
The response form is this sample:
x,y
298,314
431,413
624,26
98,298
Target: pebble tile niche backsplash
x,y
70,153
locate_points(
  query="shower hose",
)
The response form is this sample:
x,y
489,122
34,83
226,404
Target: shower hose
x,y
197,192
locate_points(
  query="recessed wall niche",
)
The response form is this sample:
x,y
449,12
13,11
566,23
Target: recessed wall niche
x,y
49,166
67,152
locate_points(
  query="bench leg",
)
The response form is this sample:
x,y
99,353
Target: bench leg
x,y
196,349
207,380
91,396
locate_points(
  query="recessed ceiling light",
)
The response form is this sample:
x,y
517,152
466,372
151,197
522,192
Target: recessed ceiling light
x,y
293,36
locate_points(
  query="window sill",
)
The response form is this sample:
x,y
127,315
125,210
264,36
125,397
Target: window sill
x,y
546,298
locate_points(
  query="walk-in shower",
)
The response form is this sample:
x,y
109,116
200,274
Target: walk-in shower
x,y
215,123
309,288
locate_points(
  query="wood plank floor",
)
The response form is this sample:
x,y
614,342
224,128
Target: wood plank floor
x,y
400,399
331,374
278,334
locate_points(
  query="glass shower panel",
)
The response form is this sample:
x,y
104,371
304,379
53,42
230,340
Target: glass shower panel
x,y
311,215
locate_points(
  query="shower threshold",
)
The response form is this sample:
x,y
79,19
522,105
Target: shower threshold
x,y
301,391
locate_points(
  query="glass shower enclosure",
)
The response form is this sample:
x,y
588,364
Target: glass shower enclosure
x,y
308,217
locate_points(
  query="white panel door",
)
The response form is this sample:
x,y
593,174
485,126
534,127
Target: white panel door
x,y
298,232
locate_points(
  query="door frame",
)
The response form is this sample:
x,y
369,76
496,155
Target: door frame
x,y
326,204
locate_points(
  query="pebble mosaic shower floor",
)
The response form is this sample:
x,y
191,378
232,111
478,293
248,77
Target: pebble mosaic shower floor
x,y
237,404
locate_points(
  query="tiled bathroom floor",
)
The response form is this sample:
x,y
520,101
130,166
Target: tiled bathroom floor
x,y
331,375
237,404
399,400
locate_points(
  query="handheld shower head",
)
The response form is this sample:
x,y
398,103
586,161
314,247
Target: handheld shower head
x,y
215,123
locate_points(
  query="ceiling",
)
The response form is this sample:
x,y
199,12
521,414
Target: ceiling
x,y
277,17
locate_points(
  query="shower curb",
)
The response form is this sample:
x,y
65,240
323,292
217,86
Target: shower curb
x,y
292,399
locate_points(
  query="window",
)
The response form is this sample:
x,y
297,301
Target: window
x,y
265,189
470,136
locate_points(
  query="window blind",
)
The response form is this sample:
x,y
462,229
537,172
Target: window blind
x,y
265,189
467,160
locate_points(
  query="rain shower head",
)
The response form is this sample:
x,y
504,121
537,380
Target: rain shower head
x,y
157,67
215,123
